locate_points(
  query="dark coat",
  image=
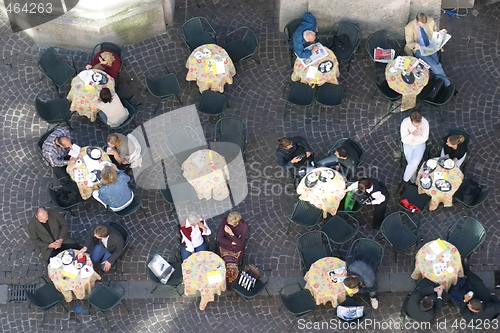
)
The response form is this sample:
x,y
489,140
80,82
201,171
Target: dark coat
x,y
284,156
299,43
115,244
424,288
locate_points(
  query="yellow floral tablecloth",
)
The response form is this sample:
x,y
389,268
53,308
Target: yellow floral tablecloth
x,y
320,285
195,270
453,176
409,91
324,195
449,258
84,186
206,171
80,287
311,75
84,98
211,67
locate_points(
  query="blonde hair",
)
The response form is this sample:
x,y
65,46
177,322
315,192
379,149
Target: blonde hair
x,y
234,218
108,58
108,175
114,139
456,139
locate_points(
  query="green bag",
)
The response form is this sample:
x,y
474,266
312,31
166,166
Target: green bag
x,y
350,200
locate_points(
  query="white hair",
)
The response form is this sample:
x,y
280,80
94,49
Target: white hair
x,y
307,32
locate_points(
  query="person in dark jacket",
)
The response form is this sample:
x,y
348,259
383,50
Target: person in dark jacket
x,y
105,245
377,196
345,159
426,301
294,153
305,36
454,147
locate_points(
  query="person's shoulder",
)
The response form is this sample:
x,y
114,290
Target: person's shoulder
x,y
411,24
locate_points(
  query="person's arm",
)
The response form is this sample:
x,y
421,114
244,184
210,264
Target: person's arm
x,y
352,187
35,239
94,61
207,230
410,37
223,237
118,242
63,226
240,238
303,142
281,160
406,136
378,198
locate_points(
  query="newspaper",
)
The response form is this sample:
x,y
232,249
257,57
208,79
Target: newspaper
x,y
383,55
319,54
439,39
349,312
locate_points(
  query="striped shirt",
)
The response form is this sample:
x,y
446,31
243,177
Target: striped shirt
x,y
52,152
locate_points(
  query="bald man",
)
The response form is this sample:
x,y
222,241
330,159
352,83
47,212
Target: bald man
x,y
55,150
305,36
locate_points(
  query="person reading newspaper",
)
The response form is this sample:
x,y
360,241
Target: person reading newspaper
x,y
418,34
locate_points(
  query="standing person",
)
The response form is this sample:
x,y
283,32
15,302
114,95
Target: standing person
x,y
362,276
414,135
426,301
49,231
377,196
305,36
192,230
454,147
112,110
114,192
105,245
107,61
56,148
294,153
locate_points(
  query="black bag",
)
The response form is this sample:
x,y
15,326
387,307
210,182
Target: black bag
x,y
471,192
341,43
436,90
66,197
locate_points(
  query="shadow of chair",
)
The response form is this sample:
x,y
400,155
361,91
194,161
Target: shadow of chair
x,y
106,297
420,200
299,94
330,95
298,303
212,103
175,279
70,187
241,44
385,40
351,302
45,297
232,129
312,246
354,34
197,31
383,88
340,229
442,99
163,85
305,214
53,111
53,67
288,32
257,289
183,141
132,112
399,231
467,234
369,247
485,191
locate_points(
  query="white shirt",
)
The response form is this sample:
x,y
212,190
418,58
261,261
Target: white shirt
x,y
378,197
105,241
196,236
407,128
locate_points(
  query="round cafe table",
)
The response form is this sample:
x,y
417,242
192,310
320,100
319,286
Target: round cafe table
x,y
68,286
453,176
196,270
320,285
408,91
315,74
440,262
84,97
324,195
211,67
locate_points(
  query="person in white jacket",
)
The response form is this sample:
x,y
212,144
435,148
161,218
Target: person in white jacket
x,y
192,230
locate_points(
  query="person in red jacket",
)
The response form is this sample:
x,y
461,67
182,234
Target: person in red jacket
x,y
192,230
107,61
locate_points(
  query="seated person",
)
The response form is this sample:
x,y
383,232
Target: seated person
x,y
118,149
377,195
362,276
426,301
294,153
344,160
454,147
105,246
192,230
49,231
231,238
418,33
55,149
305,36
481,305
112,110
114,191
107,61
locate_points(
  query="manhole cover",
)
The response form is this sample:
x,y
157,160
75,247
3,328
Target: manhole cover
x,y
17,294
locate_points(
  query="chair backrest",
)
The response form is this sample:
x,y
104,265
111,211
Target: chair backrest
x,y
109,47
122,231
445,96
250,40
349,29
469,141
183,141
289,30
194,32
49,60
311,246
350,302
467,234
39,145
384,39
193,26
365,246
356,147
232,129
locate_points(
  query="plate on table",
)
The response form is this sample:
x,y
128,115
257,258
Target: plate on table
x,y
426,183
67,259
94,153
441,161
443,185
325,66
449,164
430,165
91,177
311,179
326,175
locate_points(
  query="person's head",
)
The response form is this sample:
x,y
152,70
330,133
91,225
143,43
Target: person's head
x,y
342,153
421,19
285,143
426,303
455,140
194,218
364,184
475,305
105,95
108,175
416,118
42,215
64,142
351,282
106,58
113,140
101,231
309,36
234,218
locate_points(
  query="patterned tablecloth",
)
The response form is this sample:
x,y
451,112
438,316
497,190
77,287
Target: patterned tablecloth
x,y
79,286
324,195
84,186
211,67
84,98
320,285
195,271
312,74
409,91
206,171
438,261
453,176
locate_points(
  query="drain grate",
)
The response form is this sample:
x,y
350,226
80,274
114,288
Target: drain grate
x,y
17,294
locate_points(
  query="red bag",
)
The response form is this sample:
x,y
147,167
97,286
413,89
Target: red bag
x,y
408,205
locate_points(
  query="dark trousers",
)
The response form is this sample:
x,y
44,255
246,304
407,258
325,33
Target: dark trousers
x,y
379,213
118,165
477,285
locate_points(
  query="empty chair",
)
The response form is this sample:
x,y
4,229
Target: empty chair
x,y
232,129
351,302
340,229
288,31
212,103
479,199
52,111
330,95
183,141
419,200
132,112
257,289
312,246
299,303
354,34
383,88
305,214
197,31
163,85
183,193
55,68
365,246
241,44
299,94
45,297
385,40
467,234
175,279
400,231
74,198
106,297
441,99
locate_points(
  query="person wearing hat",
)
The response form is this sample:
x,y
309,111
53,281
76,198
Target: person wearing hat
x,y
112,110
192,230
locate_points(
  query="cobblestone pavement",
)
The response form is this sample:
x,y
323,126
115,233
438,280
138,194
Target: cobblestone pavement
x,y
471,60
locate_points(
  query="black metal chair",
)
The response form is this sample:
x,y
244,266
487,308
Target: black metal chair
x,y
126,239
383,39
70,187
298,303
400,231
162,86
108,46
354,34
485,191
443,98
212,103
106,297
356,208
330,95
44,297
467,234
469,142
183,141
257,289
299,94
175,279
39,146
241,44
232,129
420,200
197,31
312,246
132,112
53,67
183,193
426,156
288,31
130,209
340,229
353,144
403,313
52,111
365,246
305,214
351,302
383,88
